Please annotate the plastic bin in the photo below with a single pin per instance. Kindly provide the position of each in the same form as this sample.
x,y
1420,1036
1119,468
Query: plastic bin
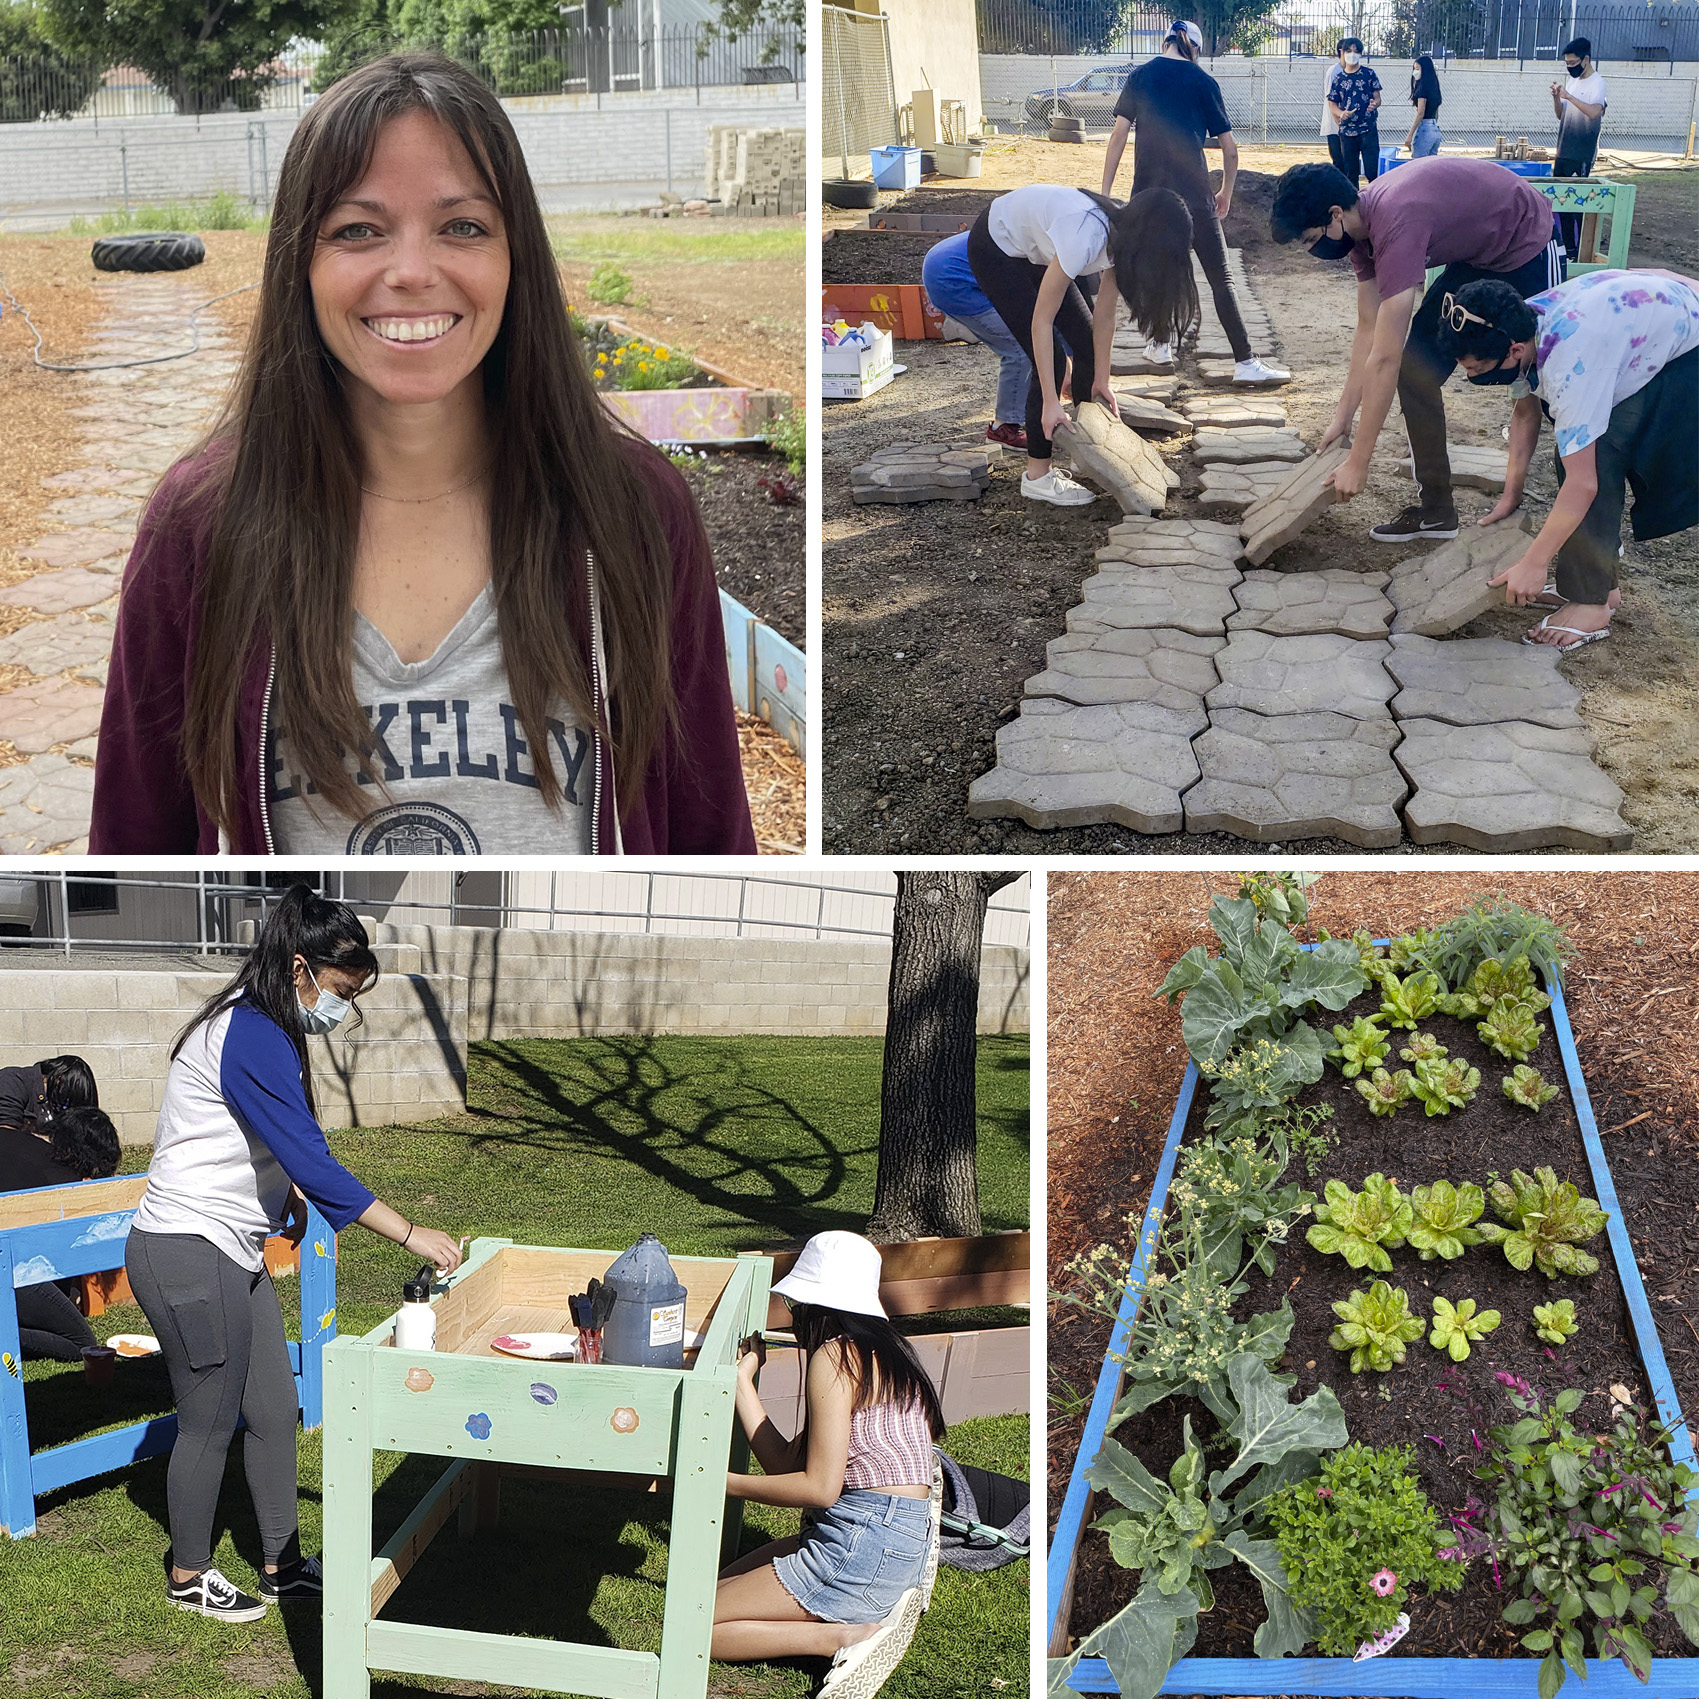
x,y
896,167
1526,167
954,161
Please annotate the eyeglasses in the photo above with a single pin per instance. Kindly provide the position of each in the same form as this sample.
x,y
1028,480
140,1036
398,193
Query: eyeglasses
x,y
1456,315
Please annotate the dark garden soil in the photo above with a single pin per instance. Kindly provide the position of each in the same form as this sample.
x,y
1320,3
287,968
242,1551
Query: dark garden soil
x,y
875,256
1115,1063
758,546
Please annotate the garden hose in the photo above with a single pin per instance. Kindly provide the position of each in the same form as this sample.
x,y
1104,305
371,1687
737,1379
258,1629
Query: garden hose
x,y
115,365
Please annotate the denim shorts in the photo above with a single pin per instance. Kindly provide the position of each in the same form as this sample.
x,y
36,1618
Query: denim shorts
x,y
858,1558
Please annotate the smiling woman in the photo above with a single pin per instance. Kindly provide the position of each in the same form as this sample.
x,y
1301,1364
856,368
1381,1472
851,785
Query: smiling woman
x,y
415,591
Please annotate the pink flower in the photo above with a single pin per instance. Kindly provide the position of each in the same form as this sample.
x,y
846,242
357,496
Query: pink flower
x,y
1324,1492
1383,1582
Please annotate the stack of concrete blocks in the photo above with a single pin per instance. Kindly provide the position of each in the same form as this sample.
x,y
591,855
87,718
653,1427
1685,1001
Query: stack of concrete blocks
x,y
756,173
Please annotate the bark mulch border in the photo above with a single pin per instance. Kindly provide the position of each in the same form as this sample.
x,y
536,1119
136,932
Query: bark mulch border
x,y
1378,1678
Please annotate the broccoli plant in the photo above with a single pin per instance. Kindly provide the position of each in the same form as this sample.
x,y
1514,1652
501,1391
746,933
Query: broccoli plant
x,y
1528,1087
1384,1092
1360,1046
1444,1083
1423,1047
1444,1219
1544,1223
1178,1532
1375,1326
1284,897
1362,1226
1404,1002
1455,1326
1554,1323
1511,1030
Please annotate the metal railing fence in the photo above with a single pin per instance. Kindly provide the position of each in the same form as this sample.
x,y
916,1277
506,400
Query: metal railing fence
x,y
207,911
535,63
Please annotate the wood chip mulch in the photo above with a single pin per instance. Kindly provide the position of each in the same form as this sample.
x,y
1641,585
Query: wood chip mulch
x,y
774,776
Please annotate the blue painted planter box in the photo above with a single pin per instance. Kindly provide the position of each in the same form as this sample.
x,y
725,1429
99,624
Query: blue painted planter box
x,y
1393,1677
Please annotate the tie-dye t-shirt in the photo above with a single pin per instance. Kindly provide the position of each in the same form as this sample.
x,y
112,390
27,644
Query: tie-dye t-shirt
x,y
1602,338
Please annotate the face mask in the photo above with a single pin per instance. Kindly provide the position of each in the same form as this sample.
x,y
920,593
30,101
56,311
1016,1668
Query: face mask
x,y
1350,60
1498,375
1333,247
1573,70
328,1013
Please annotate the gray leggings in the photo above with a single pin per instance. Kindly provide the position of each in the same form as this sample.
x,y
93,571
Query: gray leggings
x,y
221,1333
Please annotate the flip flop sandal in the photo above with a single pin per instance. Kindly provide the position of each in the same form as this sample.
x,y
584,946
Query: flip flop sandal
x,y
1582,638
1548,598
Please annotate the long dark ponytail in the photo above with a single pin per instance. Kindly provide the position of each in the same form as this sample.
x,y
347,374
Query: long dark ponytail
x,y
325,933
885,1367
1150,247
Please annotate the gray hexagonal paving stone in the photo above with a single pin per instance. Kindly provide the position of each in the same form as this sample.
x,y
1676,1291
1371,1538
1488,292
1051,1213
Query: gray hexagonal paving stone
x,y
1281,515
59,592
1300,675
81,547
1150,388
1290,604
924,471
1508,787
1145,413
1442,591
45,804
51,646
1274,777
1213,446
1217,370
1117,459
1231,412
1478,681
1060,765
1171,668
1474,467
1171,542
1193,598
1242,486
34,717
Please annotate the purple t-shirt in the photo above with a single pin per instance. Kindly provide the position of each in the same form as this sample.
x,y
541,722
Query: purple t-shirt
x,y
1448,212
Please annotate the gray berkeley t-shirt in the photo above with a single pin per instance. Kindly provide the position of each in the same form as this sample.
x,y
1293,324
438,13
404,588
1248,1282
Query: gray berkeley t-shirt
x,y
453,753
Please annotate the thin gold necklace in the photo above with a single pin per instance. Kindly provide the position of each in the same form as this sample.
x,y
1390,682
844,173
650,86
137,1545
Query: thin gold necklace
x,y
415,501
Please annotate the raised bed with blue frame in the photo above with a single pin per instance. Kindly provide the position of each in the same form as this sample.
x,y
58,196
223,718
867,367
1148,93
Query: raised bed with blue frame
x,y
57,1232
1399,1674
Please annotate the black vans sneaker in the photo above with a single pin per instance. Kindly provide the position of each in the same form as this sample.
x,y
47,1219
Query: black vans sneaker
x,y
209,1594
302,1579
1411,525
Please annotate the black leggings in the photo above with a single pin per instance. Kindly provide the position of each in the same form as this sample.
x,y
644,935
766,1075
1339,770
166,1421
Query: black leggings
x,y
50,1324
1011,285
1211,249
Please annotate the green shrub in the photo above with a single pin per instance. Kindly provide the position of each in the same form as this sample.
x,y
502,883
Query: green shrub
x,y
609,285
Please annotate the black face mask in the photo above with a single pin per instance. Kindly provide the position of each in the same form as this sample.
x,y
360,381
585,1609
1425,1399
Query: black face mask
x,y
1573,70
1499,374
1332,247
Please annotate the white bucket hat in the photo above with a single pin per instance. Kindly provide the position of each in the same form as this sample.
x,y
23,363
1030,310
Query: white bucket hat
x,y
839,1271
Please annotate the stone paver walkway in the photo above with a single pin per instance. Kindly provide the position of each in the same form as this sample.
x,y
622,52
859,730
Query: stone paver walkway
x,y
921,471
135,422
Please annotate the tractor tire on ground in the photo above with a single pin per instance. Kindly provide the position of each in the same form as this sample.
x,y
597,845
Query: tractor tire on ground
x,y
152,250
848,193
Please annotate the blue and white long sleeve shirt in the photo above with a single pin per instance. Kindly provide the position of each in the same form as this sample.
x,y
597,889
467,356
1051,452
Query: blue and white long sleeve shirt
x,y
234,1130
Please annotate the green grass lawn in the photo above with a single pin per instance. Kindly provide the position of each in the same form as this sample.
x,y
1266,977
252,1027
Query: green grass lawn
x,y
718,1145
587,240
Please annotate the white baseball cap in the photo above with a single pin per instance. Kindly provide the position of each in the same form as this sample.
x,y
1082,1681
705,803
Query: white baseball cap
x,y
1184,26
837,1270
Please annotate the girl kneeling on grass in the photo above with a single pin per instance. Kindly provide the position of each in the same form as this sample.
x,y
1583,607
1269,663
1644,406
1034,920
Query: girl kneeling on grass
x,y
860,1468
416,592
237,1152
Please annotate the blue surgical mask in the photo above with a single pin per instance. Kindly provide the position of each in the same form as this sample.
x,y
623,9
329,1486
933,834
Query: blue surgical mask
x,y
328,1013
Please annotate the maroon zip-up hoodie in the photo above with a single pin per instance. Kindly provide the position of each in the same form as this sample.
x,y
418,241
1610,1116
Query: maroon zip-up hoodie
x,y
691,800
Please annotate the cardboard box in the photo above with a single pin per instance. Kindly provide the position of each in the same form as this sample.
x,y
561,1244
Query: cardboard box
x,y
853,373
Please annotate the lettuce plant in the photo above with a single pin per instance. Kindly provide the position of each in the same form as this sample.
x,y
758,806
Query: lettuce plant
x,y
1411,950
1404,1002
1370,955
1179,1531
1363,1516
1460,1005
1444,1219
1423,1047
1544,1222
1455,1325
1384,1092
1444,1083
1362,1226
1361,1045
1511,1030
1375,1326
1493,980
1528,1087
1554,1323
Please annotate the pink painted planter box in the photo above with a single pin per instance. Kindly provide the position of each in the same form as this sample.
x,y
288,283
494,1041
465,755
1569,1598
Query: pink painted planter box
x,y
688,415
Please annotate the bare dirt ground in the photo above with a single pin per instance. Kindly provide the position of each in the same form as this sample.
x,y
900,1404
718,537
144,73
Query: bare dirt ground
x,y
935,615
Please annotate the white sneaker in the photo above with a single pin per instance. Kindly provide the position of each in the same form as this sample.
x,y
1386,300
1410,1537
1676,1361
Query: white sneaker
x,y
1057,488
1159,353
1259,371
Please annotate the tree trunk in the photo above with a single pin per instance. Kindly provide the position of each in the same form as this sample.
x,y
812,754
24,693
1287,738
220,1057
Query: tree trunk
x,y
928,1157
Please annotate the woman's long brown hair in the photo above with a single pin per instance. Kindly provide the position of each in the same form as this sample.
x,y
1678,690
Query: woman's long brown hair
x,y
286,486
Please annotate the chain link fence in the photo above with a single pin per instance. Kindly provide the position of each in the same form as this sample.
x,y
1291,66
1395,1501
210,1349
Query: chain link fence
x,y
858,99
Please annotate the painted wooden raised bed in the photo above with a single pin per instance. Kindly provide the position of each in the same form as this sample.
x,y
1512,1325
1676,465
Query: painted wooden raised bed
x,y
1386,1677
904,309
769,673
465,1401
59,1232
731,411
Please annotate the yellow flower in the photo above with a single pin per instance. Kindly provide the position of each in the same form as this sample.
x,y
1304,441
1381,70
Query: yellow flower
x,y
662,354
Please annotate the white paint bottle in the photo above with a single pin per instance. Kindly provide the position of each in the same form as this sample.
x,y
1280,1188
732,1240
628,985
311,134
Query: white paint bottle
x,y
416,1321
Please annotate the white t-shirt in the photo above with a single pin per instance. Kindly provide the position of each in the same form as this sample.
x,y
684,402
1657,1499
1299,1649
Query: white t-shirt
x,y
1577,134
1329,124
1045,222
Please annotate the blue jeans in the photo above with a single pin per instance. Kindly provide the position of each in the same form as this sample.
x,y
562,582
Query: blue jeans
x,y
1015,371
1426,140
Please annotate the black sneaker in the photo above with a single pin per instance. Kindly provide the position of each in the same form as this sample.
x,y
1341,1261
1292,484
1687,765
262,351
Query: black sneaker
x,y
1412,525
209,1594
302,1579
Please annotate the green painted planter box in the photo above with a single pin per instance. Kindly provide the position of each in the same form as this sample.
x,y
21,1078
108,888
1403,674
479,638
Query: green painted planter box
x,y
466,1401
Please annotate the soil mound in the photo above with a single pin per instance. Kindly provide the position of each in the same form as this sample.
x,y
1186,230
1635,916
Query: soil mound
x,y
1247,223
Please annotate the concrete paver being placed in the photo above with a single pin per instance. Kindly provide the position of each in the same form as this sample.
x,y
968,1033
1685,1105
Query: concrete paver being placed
x,y
1302,499
1242,486
1242,447
1117,459
1272,778
1233,412
1440,592
1474,467
1170,668
1478,681
1193,598
921,471
1145,413
1060,765
1290,604
1510,787
1295,675
1141,541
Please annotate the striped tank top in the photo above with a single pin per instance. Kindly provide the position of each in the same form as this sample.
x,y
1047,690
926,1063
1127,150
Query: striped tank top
x,y
890,1446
